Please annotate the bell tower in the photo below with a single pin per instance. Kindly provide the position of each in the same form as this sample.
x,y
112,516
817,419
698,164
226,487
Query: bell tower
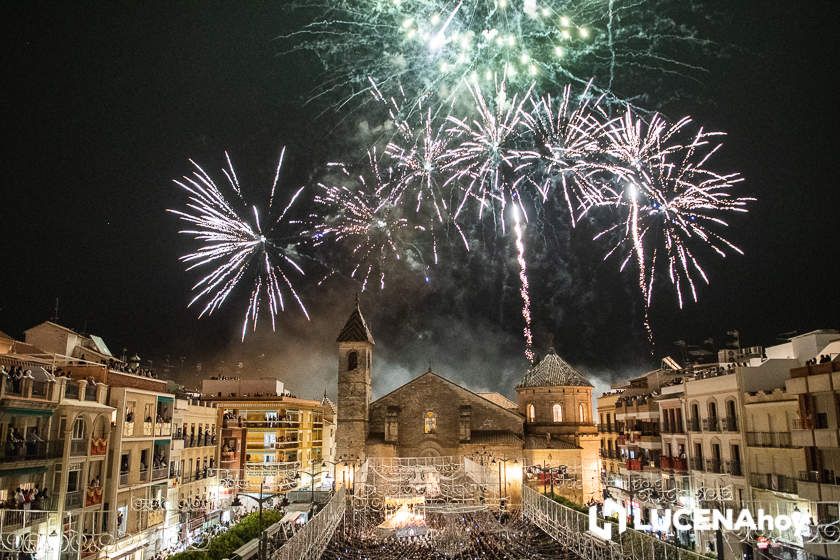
x,y
355,359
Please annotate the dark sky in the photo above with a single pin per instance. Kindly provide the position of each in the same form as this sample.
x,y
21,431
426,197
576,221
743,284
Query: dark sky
x,y
104,102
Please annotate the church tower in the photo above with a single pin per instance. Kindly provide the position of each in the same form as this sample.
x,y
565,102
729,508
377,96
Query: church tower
x,y
355,358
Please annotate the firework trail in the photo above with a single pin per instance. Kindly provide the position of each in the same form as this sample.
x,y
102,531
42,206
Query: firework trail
x,y
523,286
484,159
367,217
237,247
673,201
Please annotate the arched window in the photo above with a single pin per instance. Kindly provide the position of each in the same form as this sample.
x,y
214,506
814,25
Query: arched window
x,y
532,413
352,360
581,413
557,412
429,422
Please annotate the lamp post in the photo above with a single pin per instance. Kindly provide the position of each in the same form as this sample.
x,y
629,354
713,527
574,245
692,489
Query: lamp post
x,y
502,461
311,474
263,498
335,466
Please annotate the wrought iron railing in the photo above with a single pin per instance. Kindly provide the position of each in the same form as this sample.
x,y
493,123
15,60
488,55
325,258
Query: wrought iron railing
x,y
570,528
309,543
768,439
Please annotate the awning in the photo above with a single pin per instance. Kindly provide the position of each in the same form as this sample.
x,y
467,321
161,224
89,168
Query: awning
x,y
162,441
28,411
22,470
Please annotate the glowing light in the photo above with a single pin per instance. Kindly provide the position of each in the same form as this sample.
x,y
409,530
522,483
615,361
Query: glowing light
x,y
523,285
236,247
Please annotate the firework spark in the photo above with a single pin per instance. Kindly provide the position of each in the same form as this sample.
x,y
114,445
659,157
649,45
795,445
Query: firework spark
x,y
430,45
237,247
673,201
565,148
485,158
366,216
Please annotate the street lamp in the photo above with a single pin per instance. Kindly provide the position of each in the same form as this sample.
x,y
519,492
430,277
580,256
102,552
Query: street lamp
x,y
263,498
335,466
502,461
311,474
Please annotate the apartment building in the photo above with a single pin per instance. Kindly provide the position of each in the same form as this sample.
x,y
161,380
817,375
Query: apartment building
x,y
816,386
268,436
56,426
608,431
193,496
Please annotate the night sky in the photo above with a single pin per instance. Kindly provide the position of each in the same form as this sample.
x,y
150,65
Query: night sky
x,y
103,104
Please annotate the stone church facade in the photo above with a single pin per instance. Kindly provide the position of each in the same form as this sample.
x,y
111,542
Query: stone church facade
x,y
551,424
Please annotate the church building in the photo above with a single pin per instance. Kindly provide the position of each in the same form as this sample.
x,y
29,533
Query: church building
x,y
550,424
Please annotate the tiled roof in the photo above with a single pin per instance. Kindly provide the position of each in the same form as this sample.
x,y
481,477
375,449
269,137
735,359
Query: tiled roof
x,y
553,371
355,329
499,399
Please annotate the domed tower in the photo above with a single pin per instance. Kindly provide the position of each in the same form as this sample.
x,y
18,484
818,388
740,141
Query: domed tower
x,y
355,360
556,401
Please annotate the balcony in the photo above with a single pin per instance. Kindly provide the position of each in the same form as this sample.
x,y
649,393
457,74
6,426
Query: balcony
x,y
733,468
30,451
128,428
711,424
161,473
78,447
769,439
714,466
163,428
98,446
694,425
729,424
775,482
819,486
90,392
144,475
71,390
148,428
73,500
633,464
672,463
228,456
123,479
93,496
697,464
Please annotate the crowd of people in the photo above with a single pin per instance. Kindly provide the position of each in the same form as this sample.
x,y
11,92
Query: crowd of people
x,y
823,359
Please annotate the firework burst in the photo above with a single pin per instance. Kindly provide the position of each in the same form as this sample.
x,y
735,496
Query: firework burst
x,y
367,217
565,149
485,158
673,203
237,246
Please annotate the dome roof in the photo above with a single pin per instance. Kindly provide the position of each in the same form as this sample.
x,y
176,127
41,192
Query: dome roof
x,y
553,371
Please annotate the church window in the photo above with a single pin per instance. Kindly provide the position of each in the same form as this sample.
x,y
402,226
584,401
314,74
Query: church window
x,y
557,412
465,423
532,413
352,360
581,413
429,422
392,424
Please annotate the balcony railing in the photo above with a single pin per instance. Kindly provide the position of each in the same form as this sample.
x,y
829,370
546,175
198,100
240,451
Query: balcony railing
x,y
73,500
78,447
694,425
160,473
71,390
769,439
823,477
713,466
144,476
729,424
30,450
98,446
123,479
697,463
634,464
40,389
711,424
776,482
90,393
733,468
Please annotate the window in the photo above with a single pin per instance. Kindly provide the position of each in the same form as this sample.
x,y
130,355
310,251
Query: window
x,y
532,413
581,413
465,423
391,424
429,423
557,412
352,360
78,429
